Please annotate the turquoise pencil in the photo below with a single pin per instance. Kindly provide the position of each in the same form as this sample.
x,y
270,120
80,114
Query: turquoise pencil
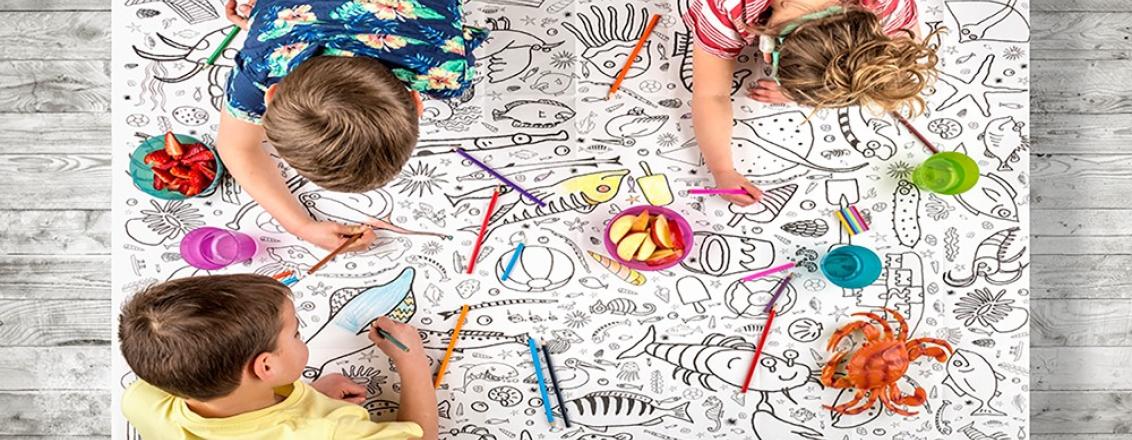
x,y
541,381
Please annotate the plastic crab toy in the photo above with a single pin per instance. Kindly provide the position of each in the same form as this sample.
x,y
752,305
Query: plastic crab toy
x,y
879,363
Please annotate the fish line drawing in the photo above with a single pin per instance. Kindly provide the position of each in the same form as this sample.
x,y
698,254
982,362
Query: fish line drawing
x,y
627,128
573,374
622,306
969,374
196,55
1003,141
609,38
488,372
509,52
989,21
469,339
998,260
518,168
991,196
865,134
767,209
526,113
431,147
192,11
348,208
601,410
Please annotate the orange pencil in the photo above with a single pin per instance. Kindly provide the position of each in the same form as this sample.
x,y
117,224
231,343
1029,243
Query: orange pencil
x,y
633,56
451,347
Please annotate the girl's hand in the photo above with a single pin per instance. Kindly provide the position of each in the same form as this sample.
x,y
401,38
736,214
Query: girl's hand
x,y
732,179
329,235
766,91
239,14
414,358
339,387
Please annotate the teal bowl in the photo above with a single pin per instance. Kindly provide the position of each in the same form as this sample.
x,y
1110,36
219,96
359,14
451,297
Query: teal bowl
x,y
142,174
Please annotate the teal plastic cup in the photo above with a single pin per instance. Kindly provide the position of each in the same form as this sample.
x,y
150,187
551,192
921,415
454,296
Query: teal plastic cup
x,y
851,266
947,173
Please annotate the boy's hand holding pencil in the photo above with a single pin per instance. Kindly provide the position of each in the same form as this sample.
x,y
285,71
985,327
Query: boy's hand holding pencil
x,y
401,342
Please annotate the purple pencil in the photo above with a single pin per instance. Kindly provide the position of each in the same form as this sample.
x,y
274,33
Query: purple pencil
x,y
500,177
778,291
713,191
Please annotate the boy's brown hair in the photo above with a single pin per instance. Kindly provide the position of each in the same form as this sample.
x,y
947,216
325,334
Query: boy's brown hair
x,y
193,337
346,123
847,59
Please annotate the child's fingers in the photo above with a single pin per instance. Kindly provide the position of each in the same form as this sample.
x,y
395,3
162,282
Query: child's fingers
x,y
739,200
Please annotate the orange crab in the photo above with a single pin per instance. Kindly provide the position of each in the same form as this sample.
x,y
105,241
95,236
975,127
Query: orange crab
x,y
875,368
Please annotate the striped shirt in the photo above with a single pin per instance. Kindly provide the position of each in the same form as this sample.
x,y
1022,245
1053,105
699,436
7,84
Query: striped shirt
x,y
724,27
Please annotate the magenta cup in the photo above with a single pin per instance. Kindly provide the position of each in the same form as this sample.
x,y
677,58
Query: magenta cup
x,y
212,248
685,242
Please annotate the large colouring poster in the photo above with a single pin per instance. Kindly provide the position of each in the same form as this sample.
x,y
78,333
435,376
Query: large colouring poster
x,y
661,358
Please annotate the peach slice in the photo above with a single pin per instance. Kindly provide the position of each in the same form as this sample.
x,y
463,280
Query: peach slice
x,y
642,222
647,248
620,228
628,247
664,256
661,232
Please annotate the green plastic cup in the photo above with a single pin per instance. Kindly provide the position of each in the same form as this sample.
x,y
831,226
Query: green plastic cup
x,y
947,173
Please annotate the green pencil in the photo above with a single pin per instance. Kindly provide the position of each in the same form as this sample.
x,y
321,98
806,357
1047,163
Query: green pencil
x,y
235,30
393,340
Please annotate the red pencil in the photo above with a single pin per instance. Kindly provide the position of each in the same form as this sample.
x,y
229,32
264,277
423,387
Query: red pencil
x,y
483,229
916,132
633,56
758,350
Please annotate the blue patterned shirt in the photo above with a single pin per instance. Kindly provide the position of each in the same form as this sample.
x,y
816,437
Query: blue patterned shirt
x,y
423,42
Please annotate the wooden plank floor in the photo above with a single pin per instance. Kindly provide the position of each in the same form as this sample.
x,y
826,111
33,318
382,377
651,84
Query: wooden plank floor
x,y
55,198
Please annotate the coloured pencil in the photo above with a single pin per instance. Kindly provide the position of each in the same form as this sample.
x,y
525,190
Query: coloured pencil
x,y
500,177
633,56
712,191
290,281
860,219
483,230
282,275
451,347
541,381
772,270
232,32
349,241
844,222
514,259
778,291
554,381
393,340
854,228
915,132
758,350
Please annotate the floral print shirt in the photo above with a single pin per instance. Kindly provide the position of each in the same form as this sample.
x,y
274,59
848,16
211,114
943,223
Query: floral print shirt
x,y
423,42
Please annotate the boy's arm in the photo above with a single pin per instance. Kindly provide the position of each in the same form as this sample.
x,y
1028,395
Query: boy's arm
x,y
240,146
418,398
712,121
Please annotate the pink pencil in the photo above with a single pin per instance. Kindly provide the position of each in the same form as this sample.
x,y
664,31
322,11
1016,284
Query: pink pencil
x,y
772,270
712,191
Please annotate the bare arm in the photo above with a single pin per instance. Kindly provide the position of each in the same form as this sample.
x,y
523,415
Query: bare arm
x,y
240,146
712,121
418,398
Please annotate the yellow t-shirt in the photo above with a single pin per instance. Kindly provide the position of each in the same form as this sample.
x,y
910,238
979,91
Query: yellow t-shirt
x,y
304,414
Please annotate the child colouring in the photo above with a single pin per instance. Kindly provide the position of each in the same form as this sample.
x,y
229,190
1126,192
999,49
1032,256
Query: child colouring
x,y
822,54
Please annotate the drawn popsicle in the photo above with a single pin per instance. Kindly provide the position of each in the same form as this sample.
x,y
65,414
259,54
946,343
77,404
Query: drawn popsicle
x,y
655,187
692,292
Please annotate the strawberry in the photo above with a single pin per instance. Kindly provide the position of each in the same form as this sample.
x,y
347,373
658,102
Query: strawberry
x,y
180,171
191,189
194,149
162,175
204,169
172,146
199,156
158,184
157,157
197,178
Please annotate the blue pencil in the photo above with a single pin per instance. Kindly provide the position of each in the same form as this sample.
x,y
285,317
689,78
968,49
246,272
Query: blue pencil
x,y
541,381
500,177
514,259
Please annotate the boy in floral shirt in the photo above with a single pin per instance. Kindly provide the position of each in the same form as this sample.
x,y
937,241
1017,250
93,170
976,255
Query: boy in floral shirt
x,y
334,86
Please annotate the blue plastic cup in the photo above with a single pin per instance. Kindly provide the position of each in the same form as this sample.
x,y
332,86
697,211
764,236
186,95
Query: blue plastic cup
x,y
851,267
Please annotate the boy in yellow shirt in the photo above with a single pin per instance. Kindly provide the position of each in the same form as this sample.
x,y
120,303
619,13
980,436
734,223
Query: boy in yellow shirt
x,y
219,357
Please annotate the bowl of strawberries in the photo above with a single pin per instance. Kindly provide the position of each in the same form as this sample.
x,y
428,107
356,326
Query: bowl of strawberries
x,y
175,167
648,238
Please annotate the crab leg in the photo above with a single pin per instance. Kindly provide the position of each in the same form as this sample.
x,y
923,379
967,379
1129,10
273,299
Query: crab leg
x,y
901,321
893,393
870,332
860,409
883,324
916,349
830,368
845,406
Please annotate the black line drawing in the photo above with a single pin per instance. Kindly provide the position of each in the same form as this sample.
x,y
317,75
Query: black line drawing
x,y
601,410
622,306
190,116
999,259
488,372
692,291
1003,140
469,339
518,168
746,298
575,374
538,269
969,374
294,184
807,228
509,51
192,11
768,146
991,310
906,213
765,210
348,208
626,128
682,48
945,128
542,113
978,88
721,255
992,196
431,147
864,134
805,330
986,20
196,56
419,178
609,38
166,221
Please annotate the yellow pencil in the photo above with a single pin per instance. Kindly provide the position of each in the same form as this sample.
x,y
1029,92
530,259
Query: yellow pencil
x,y
451,347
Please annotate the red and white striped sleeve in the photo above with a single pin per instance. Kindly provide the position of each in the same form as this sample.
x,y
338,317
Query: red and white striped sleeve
x,y
715,24
895,14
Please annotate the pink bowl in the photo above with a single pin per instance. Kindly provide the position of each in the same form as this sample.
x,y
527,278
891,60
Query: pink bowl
x,y
685,233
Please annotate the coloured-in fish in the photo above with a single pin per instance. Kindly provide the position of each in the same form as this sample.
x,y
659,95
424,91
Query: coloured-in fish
x,y
542,113
998,258
992,196
1003,140
724,359
605,409
622,306
864,135
469,339
969,374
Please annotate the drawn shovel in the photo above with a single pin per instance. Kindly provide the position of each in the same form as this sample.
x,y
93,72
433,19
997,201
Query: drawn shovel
x,y
692,292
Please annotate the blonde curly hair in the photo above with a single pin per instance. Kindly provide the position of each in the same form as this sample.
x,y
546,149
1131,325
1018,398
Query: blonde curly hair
x,y
847,59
